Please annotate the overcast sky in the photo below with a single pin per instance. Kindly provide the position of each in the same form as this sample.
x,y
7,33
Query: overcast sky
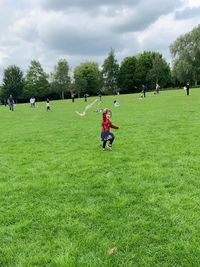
x,y
80,30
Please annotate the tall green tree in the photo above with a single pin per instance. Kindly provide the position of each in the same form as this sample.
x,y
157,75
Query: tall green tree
x,y
151,68
36,81
160,72
181,71
110,71
12,82
144,65
87,78
186,56
127,81
61,78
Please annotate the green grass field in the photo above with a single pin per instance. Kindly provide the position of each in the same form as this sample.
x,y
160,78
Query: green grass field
x,y
65,202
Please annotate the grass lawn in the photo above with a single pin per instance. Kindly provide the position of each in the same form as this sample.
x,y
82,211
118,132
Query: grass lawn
x,y
65,202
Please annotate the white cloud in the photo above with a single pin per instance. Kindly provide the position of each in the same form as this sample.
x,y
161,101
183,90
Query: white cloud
x,y
193,3
3,57
86,30
162,33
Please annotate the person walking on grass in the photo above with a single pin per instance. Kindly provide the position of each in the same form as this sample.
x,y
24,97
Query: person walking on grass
x,y
11,103
106,135
188,88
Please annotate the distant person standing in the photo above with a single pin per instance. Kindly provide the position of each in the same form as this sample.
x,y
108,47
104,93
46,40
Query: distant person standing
x,y
144,90
4,102
72,96
32,102
157,88
47,105
85,97
188,88
11,103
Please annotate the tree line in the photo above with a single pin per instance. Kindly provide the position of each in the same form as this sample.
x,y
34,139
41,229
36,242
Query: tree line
x,y
147,68
128,77
186,57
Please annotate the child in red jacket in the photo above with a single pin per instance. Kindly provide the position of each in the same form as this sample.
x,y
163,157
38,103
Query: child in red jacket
x,y
106,135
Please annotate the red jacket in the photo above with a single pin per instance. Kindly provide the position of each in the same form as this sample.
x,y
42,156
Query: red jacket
x,y
107,124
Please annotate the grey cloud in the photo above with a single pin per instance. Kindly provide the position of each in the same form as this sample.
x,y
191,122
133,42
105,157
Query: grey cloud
x,y
82,33
74,42
188,13
66,4
144,14
140,13
83,29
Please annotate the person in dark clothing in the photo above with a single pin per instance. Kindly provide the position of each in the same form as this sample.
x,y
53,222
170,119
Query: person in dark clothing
x,y
144,90
11,103
47,105
85,97
4,102
188,88
72,96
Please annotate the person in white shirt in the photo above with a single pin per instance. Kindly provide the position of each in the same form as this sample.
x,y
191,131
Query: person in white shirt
x,y
32,102
116,104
